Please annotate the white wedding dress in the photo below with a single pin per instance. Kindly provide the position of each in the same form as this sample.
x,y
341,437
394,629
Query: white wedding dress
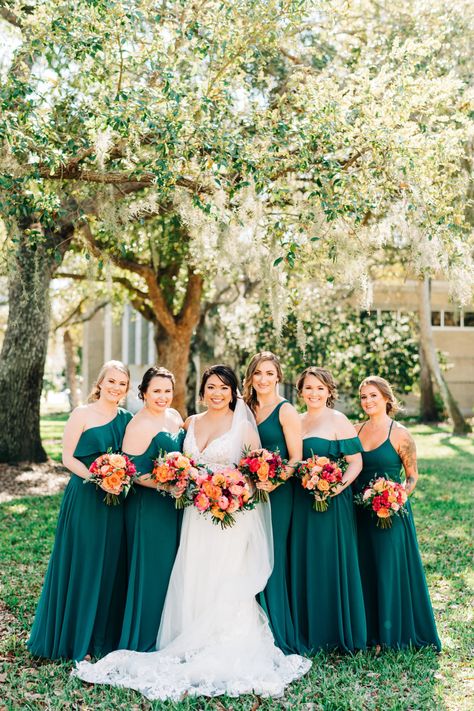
x,y
214,638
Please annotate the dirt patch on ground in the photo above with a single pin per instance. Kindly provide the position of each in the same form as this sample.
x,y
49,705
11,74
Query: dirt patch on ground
x,y
26,479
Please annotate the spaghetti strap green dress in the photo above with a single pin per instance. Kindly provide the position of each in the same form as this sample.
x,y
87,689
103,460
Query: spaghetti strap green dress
x,y
152,526
81,606
275,599
326,591
397,602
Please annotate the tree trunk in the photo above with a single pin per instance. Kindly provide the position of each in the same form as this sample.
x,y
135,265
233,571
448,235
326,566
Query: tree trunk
x,y
460,426
428,409
71,376
23,353
173,353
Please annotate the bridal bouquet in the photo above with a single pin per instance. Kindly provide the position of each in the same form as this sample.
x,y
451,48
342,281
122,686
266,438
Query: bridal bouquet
x,y
221,494
321,478
385,498
114,473
171,472
262,467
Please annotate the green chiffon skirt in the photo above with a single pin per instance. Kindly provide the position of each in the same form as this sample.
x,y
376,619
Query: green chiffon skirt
x,y
327,600
152,526
80,610
397,602
275,599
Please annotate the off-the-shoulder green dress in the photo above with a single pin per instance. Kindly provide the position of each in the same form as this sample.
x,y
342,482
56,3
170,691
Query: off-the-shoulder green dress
x,y
326,592
80,610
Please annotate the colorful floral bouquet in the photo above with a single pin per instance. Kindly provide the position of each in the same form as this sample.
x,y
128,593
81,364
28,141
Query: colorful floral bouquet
x,y
114,473
221,494
321,478
171,472
385,498
262,467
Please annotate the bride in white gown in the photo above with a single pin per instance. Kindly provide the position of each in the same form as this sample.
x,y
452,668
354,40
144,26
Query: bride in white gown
x,y
213,638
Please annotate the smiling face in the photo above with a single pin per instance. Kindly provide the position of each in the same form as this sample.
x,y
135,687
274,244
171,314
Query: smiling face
x,y
372,400
113,386
265,377
159,394
314,392
217,394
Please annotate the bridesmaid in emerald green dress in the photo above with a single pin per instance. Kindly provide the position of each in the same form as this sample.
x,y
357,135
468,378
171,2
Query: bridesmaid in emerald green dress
x,y
151,520
397,601
327,601
81,606
279,429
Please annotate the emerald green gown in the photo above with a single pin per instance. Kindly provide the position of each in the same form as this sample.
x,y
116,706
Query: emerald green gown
x,y
80,609
326,591
397,602
275,599
152,532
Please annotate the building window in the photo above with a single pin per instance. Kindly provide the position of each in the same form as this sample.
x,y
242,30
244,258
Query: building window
x,y
469,319
452,319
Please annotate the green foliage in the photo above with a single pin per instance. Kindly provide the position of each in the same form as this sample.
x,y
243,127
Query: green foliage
x,y
394,681
352,344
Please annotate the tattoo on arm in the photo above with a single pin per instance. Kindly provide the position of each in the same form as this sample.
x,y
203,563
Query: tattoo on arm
x,y
407,453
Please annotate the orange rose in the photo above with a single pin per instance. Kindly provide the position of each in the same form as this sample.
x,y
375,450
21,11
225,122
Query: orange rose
x,y
323,485
112,484
161,474
216,511
219,479
383,513
211,490
117,461
263,471
379,485
321,461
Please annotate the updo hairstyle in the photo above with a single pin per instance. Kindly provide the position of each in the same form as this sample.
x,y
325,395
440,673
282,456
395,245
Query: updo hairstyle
x,y
153,372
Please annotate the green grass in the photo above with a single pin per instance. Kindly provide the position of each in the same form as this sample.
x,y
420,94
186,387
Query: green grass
x,y
393,681
51,428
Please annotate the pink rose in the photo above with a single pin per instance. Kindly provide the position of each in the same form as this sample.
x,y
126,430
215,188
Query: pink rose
x,y
202,502
223,503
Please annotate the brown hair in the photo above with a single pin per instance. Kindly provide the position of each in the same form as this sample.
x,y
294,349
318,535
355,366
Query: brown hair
x,y
249,394
384,387
324,376
153,372
118,365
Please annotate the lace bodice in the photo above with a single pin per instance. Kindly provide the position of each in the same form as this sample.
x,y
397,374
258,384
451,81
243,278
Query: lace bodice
x,y
215,455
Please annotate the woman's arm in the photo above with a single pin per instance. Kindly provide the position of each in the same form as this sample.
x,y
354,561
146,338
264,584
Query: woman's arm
x,y
291,425
406,448
346,430
74,428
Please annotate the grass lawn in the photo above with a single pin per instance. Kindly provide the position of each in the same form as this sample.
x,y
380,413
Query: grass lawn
x,y
409,681
52,432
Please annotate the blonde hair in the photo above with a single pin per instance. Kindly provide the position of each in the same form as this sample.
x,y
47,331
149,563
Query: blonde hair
x,y
249,395
384,387
118,365
324,376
